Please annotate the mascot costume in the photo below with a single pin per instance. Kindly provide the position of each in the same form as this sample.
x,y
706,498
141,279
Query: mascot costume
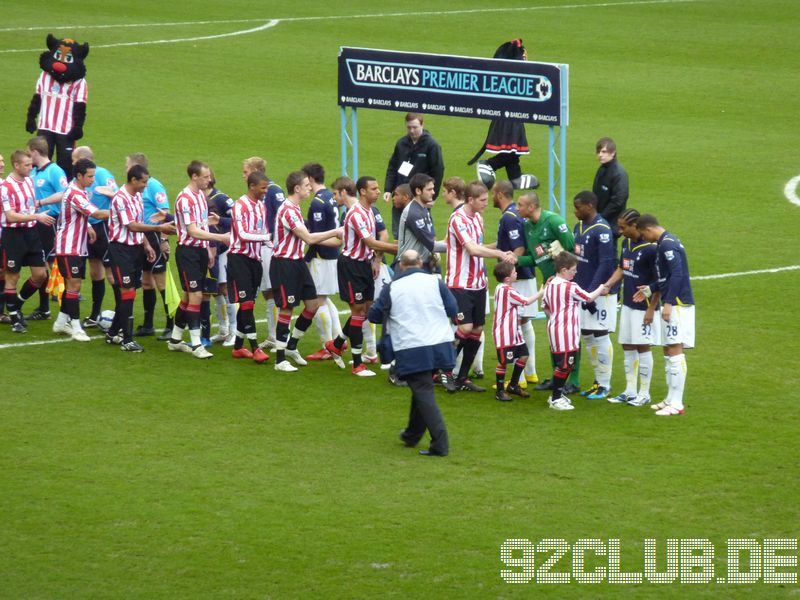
x,y
60,98
506,138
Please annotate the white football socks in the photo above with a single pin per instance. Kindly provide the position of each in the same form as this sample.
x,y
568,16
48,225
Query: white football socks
x,y
645,372
631,367
676,380
530,341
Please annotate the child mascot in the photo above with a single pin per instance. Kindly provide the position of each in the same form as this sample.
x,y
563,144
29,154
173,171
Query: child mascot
x,y
506,138
60,98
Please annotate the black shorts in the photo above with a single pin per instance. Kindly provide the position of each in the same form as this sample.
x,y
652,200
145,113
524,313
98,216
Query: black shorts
x,y
127,263
356,284
192,267
47,235
509,354
244,277
99,250
159,264
71,266
291,282
471,306
22,247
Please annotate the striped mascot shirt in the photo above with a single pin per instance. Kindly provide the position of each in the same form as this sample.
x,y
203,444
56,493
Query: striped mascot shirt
x,y
58,100
505,327
562,301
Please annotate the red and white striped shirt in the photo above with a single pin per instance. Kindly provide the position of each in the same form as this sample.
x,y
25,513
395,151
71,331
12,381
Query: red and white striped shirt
x,y
249,217
464,271
73,222
562,300
191,207
359,224
287,244
505,327
20,197
57,102
125,209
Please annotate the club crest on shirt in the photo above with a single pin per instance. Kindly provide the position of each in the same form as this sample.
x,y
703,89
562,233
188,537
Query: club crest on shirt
x,y
563,228
420,223
669,254
513,234
318,216
605,238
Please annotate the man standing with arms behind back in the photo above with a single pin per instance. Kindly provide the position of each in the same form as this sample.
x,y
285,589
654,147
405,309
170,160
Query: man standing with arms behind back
x,y
414,153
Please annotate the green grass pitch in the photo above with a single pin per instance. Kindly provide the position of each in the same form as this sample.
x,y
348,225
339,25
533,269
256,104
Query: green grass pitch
x,y
159,476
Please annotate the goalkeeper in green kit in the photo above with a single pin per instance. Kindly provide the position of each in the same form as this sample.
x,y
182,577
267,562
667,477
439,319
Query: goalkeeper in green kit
x,y
546,234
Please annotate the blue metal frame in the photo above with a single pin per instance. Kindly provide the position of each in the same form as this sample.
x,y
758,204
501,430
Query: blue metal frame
x,y
349,139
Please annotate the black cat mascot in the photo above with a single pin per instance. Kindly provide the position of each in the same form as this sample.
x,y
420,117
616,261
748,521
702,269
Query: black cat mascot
x,y
60,98
506,138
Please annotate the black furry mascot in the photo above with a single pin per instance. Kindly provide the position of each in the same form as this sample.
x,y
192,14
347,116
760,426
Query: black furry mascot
x,y
506,138
60,98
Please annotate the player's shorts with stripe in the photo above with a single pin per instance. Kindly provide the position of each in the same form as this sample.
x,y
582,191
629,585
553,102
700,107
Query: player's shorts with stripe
x,y
680,329
127,264
356,284
323,271
266,260
291,282
604,318
192,267
471,306
71,266
633,331
222,263
22,247
47,235
507,355
159,264
99,249
526,287
244,277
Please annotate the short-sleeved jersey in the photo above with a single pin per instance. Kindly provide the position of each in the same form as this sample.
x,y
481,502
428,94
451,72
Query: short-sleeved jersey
x,y
287,244
562,301
511,235
464,271
272,202
154,198
594,247
322,216
102,177
191,207
673,271
248,218
379,224
17,196
220,204
47,181
416,231
637,260
126,208
359,225
71,236
505,327
58,100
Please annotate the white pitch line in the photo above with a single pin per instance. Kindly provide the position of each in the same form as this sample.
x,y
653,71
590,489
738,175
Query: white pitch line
x,y
62,340
790,190
273,22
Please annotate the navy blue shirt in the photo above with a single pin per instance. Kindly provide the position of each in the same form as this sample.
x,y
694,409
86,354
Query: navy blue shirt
x,y
272,202
673,271
220,204
322,216
379,224
511,235
594,247
638,263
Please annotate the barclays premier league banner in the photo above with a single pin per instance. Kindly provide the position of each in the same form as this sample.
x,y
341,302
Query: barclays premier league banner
x,y
459,86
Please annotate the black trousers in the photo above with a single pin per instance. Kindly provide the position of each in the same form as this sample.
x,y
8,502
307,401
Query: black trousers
x,y
425,414
62,145
508,160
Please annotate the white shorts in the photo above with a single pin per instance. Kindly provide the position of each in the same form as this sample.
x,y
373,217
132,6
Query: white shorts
x,y
680,329
266,258
488,302
384,278
526,287
605,318
222,262
323,272
634,332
